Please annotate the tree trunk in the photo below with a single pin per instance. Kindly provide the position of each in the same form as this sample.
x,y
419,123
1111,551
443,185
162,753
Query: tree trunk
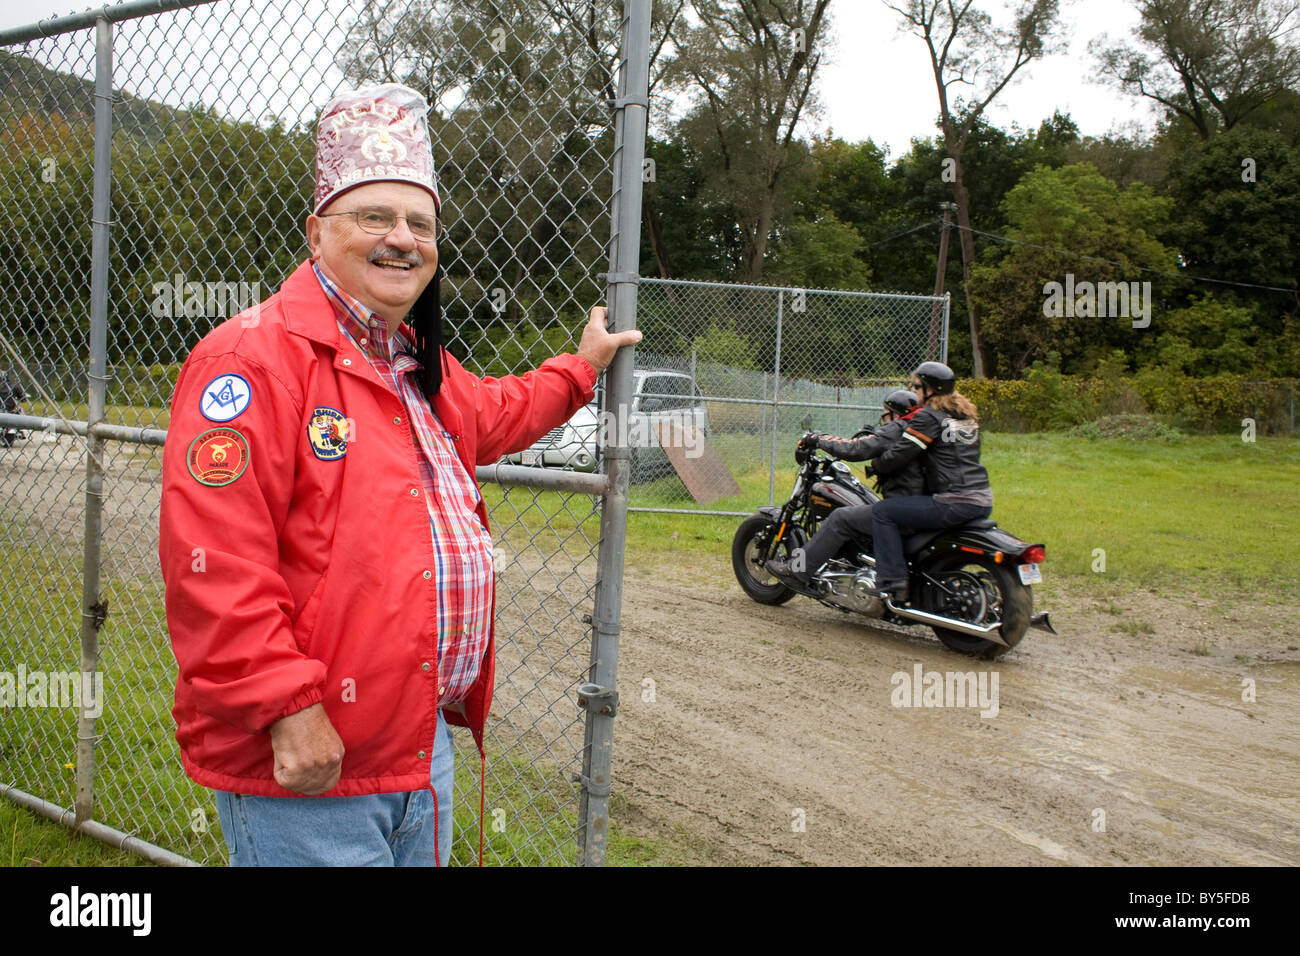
x,y
657,243
757,251
967,239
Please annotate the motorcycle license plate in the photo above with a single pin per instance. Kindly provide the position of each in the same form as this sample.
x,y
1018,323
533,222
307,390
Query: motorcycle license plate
x,y
1029,574
530,457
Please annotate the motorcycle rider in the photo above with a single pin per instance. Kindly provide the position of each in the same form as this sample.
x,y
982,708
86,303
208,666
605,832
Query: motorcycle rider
x,y
847,524
944,436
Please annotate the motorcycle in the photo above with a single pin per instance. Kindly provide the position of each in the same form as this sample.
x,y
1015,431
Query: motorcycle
x,y
971,583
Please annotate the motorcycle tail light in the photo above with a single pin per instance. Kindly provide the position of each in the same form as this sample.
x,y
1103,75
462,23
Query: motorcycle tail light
x,y
1034,554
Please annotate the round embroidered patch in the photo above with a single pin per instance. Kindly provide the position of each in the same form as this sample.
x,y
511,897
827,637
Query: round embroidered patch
x,y
217,456
225,397
329,433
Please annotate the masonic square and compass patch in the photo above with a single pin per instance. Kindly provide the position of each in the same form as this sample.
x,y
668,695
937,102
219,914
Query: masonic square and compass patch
x,y
225,397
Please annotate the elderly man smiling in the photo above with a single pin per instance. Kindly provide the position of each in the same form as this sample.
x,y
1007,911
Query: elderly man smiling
x,y
328,568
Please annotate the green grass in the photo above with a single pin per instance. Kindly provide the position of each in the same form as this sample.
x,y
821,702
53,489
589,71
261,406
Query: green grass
x,y
27,839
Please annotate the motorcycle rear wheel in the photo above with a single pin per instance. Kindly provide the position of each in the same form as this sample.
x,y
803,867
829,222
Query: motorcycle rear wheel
x,y
746,548
983,592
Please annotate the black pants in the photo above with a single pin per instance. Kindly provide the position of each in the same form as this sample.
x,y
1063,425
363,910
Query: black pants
x,y
840,527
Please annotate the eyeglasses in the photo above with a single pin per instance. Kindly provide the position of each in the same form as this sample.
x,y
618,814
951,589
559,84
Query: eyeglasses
x,y
380,221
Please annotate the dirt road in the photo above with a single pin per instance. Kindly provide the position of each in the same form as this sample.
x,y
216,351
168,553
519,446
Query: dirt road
x,y
1107,747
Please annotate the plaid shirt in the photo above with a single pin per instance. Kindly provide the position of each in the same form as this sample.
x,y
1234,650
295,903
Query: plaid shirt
x,y
462,547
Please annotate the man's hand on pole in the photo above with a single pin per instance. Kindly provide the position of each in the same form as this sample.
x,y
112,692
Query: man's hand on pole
x,y
598,344
308,751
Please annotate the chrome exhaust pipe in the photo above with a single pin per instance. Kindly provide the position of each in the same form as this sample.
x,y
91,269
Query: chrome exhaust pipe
x,y
993,632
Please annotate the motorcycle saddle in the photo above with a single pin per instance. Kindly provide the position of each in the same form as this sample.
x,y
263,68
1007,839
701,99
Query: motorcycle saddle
x,y
916,541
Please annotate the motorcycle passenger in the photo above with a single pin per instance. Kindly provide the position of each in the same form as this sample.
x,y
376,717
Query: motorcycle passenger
x,y
945,436
848,524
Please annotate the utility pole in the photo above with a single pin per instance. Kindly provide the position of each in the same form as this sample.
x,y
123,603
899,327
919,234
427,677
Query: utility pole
x,y
936,312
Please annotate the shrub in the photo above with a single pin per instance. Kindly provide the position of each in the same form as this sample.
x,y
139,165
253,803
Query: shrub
x,y
1130,426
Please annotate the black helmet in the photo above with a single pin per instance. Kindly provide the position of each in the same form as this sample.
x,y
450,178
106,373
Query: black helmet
x,y
936,376
901,402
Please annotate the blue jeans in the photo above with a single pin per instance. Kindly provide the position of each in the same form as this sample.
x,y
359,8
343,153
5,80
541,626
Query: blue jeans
x,y
920,513
378,829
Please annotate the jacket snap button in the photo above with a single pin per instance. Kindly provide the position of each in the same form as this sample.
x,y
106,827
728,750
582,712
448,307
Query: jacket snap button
x,y
424,666
397,420
414,493
427,575
347,361
421,754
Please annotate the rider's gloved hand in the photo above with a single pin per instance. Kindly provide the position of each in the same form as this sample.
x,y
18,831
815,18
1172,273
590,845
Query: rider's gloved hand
x,y
810,440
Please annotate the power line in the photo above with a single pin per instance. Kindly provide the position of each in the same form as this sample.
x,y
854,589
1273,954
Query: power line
x,y
899,235
1122,265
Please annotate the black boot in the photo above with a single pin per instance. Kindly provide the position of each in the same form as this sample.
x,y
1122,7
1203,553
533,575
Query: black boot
x,y
896,591
782,569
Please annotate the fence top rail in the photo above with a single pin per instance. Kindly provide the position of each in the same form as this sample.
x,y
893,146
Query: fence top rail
x,y
793,288
113,13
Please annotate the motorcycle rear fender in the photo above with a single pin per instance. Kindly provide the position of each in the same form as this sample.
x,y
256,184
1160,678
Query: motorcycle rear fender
x,y
989,542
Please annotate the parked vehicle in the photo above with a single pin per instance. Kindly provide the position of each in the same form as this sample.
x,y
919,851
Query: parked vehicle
x,y
971,584
11,393
660,397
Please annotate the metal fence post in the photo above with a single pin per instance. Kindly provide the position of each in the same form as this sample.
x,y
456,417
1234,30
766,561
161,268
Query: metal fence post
x,y
92,605
776,395
600,696
947,313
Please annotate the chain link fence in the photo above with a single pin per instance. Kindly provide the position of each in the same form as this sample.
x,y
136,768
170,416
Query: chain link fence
x,y
157,171
754,367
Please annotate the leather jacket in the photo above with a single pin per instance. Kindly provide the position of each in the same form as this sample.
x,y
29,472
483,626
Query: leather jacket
x,y
948,448
868,444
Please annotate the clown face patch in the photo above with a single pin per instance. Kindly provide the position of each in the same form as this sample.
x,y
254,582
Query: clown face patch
x,y
217,456
329,433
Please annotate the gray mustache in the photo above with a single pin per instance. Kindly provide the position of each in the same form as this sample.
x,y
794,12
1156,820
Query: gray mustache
x,y
414,258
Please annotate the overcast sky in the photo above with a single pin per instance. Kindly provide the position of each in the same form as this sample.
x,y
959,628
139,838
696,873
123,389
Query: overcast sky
x,y
878,84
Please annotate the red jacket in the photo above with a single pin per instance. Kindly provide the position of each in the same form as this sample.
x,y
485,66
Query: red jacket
x,y
295,554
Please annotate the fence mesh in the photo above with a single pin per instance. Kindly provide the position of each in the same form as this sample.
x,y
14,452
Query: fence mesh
x,y
214,109
757,366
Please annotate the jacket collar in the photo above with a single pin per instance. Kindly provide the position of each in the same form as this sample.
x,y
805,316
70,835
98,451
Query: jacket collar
x,y
307,310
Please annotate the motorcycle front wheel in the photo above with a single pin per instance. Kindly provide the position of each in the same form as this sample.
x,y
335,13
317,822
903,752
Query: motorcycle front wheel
x,y
746,552
976,589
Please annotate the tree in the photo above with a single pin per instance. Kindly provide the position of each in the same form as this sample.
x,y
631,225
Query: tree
x,y
1212,62
1071,226
820,253
966,47
749,69
1238,199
